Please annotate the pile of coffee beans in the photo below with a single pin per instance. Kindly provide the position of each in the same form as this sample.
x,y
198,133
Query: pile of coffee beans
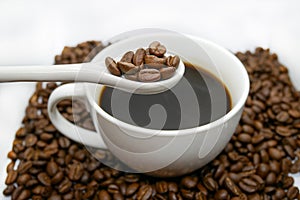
x,y
83,52
145,65
256,164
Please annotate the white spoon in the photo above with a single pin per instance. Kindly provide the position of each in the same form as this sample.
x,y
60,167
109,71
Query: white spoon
x,y
93,72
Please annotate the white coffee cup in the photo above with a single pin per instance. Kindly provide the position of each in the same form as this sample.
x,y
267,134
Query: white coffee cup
x,y
160,152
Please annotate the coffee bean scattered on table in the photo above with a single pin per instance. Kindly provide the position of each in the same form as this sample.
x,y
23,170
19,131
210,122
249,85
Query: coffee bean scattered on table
x,y
255,164
148,65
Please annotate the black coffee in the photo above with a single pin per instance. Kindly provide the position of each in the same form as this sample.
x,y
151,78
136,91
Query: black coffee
x,y
199,98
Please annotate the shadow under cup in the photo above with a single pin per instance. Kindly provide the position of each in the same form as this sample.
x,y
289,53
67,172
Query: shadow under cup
x,y
169,153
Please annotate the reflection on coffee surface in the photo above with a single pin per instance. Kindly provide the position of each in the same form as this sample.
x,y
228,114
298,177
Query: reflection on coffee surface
x,y
198,99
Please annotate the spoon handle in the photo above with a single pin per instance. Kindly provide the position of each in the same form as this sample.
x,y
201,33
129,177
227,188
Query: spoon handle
x,y
87,72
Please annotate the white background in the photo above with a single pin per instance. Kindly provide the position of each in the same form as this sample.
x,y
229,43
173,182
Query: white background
x,y
32,32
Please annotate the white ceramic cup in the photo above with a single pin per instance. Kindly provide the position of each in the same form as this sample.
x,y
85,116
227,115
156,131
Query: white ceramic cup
x,y
160,152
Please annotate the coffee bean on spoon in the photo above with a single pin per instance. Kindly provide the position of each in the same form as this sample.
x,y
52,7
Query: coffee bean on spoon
x,y
149,75
173,61
138,57
112,66
127,68
153,59
167,72
155,48
127,57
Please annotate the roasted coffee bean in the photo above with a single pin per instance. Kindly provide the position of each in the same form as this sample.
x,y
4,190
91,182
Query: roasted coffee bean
x,y
248,185
24,167
210,183
16,193
44,179
46,136
80,155
24,194
287,182
275,153
173,61
112,66
75,171
10,166
103,195
89,193
234,177
279,194
138,57
263,170
172,187
149,59
244,137
52,168
31,183
21,132
23,179
9,190
64,142
98,175
11,177
132,188
155,48
222,195
64,186
292,193
128,56
260,182
271,178
12,155
162,187
274,166
167,72
172,196
29,153
113,189
289,151
232,187
283,131
144,192
189,182
128,68
30,140
220,171
149,75
57,178
236,167
187,194
50,129
269,189
283,116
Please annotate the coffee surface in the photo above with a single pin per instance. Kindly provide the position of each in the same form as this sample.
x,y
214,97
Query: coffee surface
x,y
199,98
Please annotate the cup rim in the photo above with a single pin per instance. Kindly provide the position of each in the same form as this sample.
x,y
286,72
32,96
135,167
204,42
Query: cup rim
x,y
233,111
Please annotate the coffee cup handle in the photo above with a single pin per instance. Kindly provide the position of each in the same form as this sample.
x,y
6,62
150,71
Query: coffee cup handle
x,y
76,133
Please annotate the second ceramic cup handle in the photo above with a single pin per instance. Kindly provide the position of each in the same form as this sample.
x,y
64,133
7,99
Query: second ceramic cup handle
x,y
76,133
